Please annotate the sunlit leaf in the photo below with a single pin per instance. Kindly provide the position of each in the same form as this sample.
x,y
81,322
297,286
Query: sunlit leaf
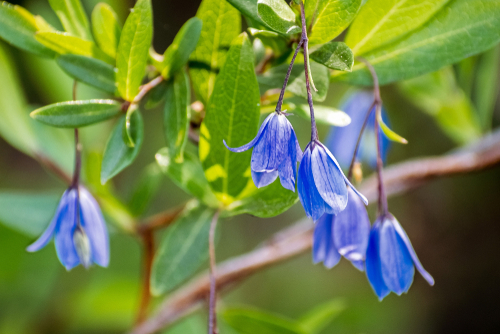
x,y
221,24
380,22
270,39
278,15
72,17
73,114
249,9
183,249
106,28
133,49
323,115
334,55
391,135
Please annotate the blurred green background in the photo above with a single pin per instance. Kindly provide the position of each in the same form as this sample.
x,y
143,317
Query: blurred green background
x,y
453,222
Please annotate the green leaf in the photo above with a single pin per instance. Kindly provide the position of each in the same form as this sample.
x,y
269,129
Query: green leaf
x,y
486,87
106,28
321,79
27,213
251,321
391,135
177,54
18,27
175,115
72,17
91,71
63,43
270,39
187,175
380,22
278,15
461,29
268,201
334,55
183,249
132,55
249,9
221,24
74,114
156,95
128,137
232,114
319,317
438,95
145,189
117,154
324,115
328,18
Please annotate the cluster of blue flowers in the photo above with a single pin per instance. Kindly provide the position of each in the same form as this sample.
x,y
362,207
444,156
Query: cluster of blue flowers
x,y
337,208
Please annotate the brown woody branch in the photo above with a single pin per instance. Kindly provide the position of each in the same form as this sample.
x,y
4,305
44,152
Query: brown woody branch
x,y
298,238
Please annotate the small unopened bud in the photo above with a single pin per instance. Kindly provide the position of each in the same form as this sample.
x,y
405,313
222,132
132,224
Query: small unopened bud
x,y
357,172
82,246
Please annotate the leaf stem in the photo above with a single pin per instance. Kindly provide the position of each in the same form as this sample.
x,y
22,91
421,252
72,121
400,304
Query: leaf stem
x,y
212,317
78,148
305,44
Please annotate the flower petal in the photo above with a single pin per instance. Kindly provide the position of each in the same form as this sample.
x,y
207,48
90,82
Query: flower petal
x,y
323,248
268,151
396,262
95,227
352,229
252,143
373,265
49,231
65,228
328,178
360,265
288,166
404,239
262,179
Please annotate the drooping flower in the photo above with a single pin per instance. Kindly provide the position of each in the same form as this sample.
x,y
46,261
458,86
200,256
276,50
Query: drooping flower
x,y
321,183
276,152
345,234
391,259
79,231
342,140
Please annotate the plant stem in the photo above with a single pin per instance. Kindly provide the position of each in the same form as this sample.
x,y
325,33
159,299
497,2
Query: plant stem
x,y
382,197
149,251
305,45
287,77
212,317
78,148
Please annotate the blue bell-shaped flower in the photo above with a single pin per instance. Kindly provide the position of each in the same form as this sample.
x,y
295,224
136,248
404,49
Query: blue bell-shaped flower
x,y
79,231
321,183
345,234
390,258
276,152
341,141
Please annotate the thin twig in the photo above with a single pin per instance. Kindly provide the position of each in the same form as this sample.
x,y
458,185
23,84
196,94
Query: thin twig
x,y
212,317
287,77
358,142
149,251
298,238
160,220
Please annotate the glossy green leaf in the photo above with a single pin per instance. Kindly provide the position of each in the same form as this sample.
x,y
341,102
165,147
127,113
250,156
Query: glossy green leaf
x,y
270,39
118,155
268,201
486,88
63,43
145,189
188,175
323,115
315,320
132,55
321,76
177,54
461,29
232,114
18,27
251,321
438,95
156,95
221,24
106,28
175,115
249,9
380,22
334,55
27,213
183,250
91,71
278,15
74,114
328,18
72,17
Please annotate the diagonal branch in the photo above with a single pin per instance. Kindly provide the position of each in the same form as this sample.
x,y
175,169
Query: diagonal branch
x,y
298,238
